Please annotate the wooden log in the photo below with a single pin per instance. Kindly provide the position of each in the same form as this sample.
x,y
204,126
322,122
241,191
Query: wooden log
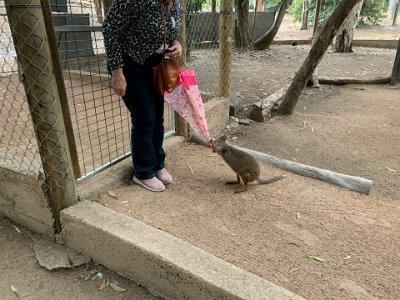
x,y
352,183
261,110
350,80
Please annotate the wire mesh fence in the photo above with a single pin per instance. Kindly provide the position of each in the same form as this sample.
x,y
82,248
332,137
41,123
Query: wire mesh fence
x,y
100,121
18,146
202,42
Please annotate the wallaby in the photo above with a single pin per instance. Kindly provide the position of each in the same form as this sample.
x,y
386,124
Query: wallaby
x,y
243,164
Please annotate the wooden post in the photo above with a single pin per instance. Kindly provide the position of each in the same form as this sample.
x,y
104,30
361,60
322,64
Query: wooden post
x,y
40,83
51,36
182,127
225,48
396,67
182,36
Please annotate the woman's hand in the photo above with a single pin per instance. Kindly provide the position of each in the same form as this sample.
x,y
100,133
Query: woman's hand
x,y
118,82
175,51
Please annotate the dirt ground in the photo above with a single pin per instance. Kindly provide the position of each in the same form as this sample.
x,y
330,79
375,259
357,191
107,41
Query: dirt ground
x,y
19,269
275,231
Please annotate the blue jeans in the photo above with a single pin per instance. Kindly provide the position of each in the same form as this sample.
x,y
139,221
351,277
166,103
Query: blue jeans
x,y
146,107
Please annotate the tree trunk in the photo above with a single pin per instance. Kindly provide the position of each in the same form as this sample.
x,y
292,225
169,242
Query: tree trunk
x,y
343,41
242,12
265,41
396,11
304,16
254,19
313,81
317,13
99,13
106,6
315,55
259,6
213,6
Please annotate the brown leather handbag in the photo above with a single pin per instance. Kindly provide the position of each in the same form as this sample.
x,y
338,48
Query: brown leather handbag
x,y
166,74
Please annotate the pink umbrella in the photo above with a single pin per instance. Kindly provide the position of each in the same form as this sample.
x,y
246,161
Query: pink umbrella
x,y
186,100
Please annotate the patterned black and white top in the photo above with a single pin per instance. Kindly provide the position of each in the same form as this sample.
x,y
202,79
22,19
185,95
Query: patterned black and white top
x,y
136,27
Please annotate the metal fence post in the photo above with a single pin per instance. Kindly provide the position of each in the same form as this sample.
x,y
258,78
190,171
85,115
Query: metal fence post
x,y
225,48
40,83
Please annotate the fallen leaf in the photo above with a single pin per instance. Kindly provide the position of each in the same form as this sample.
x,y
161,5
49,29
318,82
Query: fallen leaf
x,y
317,258
295,270
112,194
14,290
391,170
17,229
190,168
102,285
117,288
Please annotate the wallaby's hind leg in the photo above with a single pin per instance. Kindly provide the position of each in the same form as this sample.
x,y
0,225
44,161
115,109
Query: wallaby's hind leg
x,y
245,180
234,182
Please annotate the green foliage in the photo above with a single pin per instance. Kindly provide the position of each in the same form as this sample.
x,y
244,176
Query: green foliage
x,y
207,5
193,6
372,11
272,5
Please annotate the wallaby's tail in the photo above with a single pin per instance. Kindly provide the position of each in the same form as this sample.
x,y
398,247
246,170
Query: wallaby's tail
x,y
273,179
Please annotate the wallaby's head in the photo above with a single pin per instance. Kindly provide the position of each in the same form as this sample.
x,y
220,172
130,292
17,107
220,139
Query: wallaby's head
x,y
218,144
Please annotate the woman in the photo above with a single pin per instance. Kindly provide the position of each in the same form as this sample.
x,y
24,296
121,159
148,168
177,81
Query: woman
x,y
134,39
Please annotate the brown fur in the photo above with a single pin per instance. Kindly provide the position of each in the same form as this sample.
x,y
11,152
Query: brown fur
x,y
243,164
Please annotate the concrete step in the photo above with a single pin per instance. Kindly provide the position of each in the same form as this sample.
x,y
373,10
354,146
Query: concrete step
x,y
169,267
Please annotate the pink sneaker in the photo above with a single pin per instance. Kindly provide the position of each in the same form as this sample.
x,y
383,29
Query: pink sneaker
x,y
152,184
164,176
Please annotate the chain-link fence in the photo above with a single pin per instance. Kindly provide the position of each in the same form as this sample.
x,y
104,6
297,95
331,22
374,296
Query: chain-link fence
x,y
202,48
18,147
100,121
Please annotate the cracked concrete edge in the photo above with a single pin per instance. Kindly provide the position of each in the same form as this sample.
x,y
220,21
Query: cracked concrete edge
x,y
118,174
168,266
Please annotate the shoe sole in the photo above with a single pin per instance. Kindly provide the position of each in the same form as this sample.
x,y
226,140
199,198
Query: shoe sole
x,y
137,181
165,182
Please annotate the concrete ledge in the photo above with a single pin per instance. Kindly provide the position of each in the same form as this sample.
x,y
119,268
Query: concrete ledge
x,y
22,199
217,114
119,174
167,266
